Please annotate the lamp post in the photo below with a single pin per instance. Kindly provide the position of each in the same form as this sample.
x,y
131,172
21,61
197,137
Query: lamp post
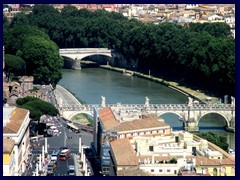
x,y
80,144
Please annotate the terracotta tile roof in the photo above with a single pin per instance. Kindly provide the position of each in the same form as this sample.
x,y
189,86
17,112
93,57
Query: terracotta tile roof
x,y
108,119
204,161
123,152
133,171
17,117
156,158
228,161
151,122
8,145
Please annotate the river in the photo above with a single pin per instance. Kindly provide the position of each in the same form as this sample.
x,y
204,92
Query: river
x,y
89,84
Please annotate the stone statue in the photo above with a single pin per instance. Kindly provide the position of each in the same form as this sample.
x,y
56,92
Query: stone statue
x,y
103,101
232,101
146,101
190,101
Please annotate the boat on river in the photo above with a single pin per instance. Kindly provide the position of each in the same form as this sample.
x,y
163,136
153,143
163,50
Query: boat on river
x,y
128,73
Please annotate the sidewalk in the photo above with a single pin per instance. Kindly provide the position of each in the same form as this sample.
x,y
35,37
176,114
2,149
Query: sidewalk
x,y
77,165
65,98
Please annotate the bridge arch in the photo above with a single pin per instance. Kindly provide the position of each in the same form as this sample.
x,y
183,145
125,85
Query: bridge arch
x,y
172,112
95,54
214,112
80,112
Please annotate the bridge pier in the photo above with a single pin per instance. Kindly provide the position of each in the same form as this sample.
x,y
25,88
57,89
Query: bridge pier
x,y
191,127
77,64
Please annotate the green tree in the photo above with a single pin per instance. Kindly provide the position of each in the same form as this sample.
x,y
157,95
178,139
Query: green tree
x,y
14,37
14,65
37,107
214,138
43,60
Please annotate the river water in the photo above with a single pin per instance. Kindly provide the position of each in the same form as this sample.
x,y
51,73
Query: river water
x,y
89,84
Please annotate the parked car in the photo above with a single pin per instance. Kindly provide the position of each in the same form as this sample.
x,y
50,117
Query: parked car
x,y
71,170
51,168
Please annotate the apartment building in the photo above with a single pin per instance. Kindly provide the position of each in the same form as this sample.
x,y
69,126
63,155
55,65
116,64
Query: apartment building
x,y
16,129
8,157
178,154
109,126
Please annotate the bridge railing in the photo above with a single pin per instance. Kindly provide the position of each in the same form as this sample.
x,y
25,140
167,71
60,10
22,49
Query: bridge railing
x,y
150,107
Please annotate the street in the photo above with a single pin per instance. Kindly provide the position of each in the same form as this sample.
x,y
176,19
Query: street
x,y
65,138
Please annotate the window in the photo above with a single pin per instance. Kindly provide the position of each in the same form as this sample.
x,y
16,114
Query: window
x,y
168,170
160,170
152,170
150,148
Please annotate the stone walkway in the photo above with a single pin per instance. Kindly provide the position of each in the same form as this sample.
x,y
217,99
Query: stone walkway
x,y
64,97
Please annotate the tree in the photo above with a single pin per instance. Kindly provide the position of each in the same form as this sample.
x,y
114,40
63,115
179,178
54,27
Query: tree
x,y
216,139
14,65
14,37
37,107
43,60
172,161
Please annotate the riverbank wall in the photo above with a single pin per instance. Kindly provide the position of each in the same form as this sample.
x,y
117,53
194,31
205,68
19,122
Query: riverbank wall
x,y
196,94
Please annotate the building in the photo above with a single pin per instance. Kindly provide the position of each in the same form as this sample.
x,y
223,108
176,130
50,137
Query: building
x,y
8,157
111,124
16,129
178,154
26,83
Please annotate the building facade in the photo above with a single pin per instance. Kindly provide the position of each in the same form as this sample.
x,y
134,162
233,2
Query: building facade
x,y
16,128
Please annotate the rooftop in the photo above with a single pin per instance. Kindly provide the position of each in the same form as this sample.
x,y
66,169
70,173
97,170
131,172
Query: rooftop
x,y
108,119
123,152
15,121
8,145
133,171
146,121
149,122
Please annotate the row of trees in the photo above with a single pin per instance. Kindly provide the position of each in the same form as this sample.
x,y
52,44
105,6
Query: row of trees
x,y
201,54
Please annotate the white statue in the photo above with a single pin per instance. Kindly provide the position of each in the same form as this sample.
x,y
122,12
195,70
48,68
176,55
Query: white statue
x,y
232,101
146,101
190,101
103,101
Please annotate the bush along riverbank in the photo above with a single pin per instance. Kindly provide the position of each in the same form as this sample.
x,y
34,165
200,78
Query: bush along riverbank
x,y
196,94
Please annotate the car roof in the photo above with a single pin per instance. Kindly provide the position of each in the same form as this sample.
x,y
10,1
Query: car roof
x,y
65,150
71,166
54,153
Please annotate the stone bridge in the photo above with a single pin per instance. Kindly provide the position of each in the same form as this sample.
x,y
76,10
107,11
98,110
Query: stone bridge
x,y
191,115
77,54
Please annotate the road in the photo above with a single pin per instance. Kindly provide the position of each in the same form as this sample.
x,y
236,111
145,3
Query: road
x,y
65,138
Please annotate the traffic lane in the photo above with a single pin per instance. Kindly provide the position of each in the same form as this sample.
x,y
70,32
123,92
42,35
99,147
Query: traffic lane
x,y
73,138
62,166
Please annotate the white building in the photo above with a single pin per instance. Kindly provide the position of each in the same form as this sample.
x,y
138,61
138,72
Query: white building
x,y
16,127
8,157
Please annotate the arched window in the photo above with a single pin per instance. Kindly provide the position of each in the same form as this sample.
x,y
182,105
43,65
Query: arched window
x,y
215,173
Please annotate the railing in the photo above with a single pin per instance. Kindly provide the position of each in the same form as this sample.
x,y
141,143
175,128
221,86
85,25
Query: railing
x,y
87,50
151,107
